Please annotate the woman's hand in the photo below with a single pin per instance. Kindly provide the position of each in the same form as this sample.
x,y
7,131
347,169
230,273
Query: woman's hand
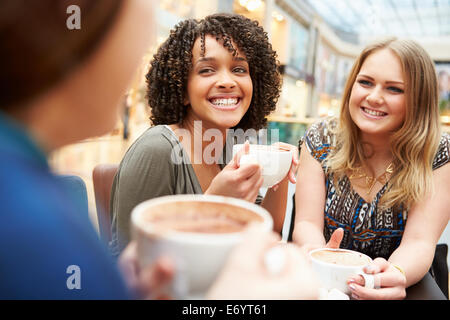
x,y
250,274
238,181
333,243
389,280
291,175
151,282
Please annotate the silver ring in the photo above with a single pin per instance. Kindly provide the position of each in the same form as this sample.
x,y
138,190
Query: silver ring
x,y
369,281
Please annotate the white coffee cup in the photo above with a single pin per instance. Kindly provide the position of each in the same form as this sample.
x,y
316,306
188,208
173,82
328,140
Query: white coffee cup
x,y
275,163
333,273
168,226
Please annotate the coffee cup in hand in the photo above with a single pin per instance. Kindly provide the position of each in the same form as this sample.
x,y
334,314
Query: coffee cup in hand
x,y
197,231
335,266
275,163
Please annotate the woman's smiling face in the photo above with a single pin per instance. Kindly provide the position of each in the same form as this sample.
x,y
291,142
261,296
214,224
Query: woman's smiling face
x,y
377,102
219,88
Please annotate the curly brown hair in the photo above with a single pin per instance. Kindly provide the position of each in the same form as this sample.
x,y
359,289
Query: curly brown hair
x,y
170,67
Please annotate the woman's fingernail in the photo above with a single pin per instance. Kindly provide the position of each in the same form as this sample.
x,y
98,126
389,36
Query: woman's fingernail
x,y
352,287
354,296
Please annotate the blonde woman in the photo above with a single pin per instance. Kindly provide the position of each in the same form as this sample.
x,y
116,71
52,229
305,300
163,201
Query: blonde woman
x,y
379,174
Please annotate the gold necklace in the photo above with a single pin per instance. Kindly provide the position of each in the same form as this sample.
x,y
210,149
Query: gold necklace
x,y
370,181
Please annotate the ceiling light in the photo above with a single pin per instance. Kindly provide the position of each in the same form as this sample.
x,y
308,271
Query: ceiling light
x,y
250,5
300,83
277,16
243,3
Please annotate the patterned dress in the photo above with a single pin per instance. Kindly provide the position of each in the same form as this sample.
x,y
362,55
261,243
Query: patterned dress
x,y
367,228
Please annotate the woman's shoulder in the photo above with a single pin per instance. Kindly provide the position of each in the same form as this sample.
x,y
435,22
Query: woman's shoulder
x,y
320,134
159,138
443,154
160,135
319,139
445,140
154,144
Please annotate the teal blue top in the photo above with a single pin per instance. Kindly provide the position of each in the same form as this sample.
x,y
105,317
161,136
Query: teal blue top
x,y
14,140
49,249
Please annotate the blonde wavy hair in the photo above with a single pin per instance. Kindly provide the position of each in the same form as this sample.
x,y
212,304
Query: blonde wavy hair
x,y
415,144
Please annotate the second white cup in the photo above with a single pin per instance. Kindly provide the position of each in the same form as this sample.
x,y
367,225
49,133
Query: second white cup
x,y
335,266
275,163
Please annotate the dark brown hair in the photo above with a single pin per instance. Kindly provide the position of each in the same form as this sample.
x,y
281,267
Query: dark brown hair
x,y
37,47
169,70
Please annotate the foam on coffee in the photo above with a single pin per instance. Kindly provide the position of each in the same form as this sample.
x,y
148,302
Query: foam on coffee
x,y
202,217
341,257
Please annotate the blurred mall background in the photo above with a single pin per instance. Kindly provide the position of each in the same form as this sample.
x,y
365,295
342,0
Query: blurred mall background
x,y
317,42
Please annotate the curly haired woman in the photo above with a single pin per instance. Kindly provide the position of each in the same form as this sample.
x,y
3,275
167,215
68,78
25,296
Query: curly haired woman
x,y
208,77
380,173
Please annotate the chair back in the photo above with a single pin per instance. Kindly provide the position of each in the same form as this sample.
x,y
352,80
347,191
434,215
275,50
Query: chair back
x,y
103,177
77,190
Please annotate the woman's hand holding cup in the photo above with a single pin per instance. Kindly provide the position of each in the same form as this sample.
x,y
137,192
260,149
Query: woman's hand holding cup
x,y
238,181
294,165
151,282
389,281
247,274
333,243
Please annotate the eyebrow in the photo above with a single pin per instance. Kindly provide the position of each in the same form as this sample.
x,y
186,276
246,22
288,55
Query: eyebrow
x,y
206,59
369,77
